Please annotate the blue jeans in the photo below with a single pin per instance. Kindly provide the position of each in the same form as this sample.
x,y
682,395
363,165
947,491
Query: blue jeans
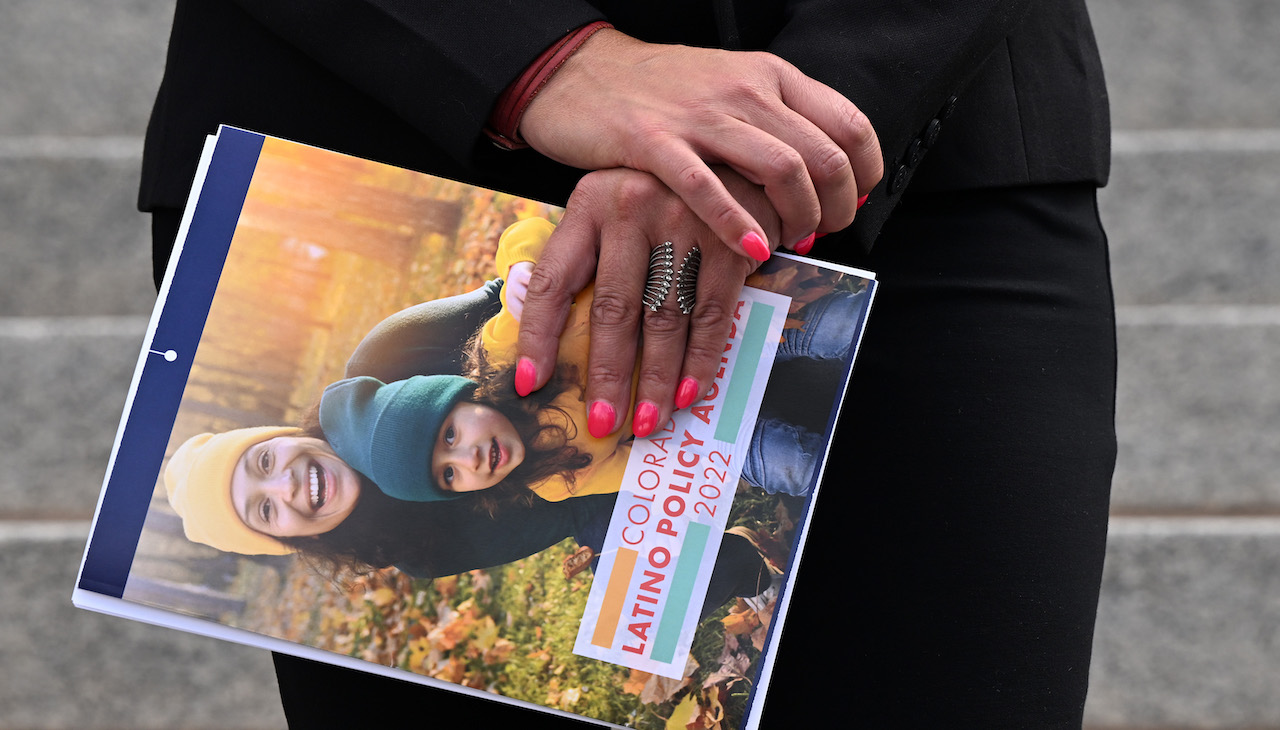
x,y
828,330
782,456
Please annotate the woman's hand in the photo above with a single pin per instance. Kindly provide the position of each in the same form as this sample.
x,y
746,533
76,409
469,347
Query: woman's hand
x,y
613,221
674,110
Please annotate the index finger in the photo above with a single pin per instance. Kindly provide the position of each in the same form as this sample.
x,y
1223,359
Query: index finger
x,y
682,170
567,265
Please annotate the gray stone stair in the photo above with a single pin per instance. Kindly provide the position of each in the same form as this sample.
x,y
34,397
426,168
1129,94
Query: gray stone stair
x,y
1190,64
1188,633
63,667
75,249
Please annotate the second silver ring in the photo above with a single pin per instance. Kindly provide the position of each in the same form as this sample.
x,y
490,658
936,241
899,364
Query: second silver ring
x,y
663,273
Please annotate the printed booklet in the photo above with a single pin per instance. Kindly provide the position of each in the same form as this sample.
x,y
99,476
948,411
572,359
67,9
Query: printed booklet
x,y
322,454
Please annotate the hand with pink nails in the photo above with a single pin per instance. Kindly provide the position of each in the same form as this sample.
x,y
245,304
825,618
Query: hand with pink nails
x,y
614,220
674,111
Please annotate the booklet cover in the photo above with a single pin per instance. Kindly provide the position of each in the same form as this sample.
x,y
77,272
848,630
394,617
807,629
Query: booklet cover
x,y
321,454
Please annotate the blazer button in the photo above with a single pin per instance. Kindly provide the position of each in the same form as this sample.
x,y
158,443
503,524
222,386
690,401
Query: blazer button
x,y
898,180
948,107
915,151
930,133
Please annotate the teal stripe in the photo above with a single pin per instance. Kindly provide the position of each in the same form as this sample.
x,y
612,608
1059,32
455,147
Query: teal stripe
x,y
744,372
679,600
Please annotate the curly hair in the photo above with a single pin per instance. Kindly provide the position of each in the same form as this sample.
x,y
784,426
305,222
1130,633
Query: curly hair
x,y
546,429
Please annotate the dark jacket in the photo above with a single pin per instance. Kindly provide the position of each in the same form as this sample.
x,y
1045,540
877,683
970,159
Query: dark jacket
x,y
980,93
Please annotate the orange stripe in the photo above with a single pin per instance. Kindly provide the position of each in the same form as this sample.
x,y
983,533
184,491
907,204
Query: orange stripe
x,y
615,594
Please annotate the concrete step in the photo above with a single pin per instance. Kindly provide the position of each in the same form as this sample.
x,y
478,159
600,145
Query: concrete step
x,y
1198,410
71,241
1191,218
63,384
1188,637
1190,64
1186,225
74,67
78,248
1188,632
63,667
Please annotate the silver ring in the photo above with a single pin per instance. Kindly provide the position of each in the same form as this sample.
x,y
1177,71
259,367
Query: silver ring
x,y
661,270
687,280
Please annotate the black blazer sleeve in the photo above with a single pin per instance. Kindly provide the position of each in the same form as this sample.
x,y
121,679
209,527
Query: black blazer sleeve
x,y
962,93
439,65
903,63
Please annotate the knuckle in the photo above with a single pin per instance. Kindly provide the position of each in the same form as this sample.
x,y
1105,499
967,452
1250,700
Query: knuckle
x,y
650,145
657,376
644,127
709,327
633,195
547,280
612,312
703,353
861,125
534,333
865,144
724,216
537,332
665,322
711,318
606,373
673,211
770,62
589,192
587,185
782,163
830,164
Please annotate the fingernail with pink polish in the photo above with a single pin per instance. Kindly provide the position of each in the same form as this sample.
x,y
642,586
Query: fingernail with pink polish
x,y
804,245
526,377
600,419
645,420
755,246
862,200
686,393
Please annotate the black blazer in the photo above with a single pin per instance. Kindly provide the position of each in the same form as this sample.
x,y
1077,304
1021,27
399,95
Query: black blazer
x,y
964,94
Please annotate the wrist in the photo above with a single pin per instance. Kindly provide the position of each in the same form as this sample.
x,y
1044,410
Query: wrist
x,y
503,127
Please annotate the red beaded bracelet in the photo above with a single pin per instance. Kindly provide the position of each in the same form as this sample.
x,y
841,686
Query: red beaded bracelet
x,y
504,123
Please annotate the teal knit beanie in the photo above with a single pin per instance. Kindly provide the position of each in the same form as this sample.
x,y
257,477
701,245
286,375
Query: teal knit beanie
x,y
386,431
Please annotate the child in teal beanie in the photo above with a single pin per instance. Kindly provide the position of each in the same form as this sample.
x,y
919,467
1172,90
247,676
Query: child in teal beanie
x,y
385,431
399,435
435,437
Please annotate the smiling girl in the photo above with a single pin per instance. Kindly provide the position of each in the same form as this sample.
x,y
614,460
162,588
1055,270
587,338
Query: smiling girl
x,y
428,438
436,437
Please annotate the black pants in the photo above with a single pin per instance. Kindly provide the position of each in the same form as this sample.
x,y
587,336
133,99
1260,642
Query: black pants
x,y
952,572
957,544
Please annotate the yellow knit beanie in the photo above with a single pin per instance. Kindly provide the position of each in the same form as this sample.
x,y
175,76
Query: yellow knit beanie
x,y
198,481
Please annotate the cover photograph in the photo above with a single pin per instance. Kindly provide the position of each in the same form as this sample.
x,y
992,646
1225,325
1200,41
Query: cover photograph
x,y
322,453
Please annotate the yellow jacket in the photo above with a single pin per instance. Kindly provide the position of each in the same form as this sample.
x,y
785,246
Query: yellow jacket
x,y
524,241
